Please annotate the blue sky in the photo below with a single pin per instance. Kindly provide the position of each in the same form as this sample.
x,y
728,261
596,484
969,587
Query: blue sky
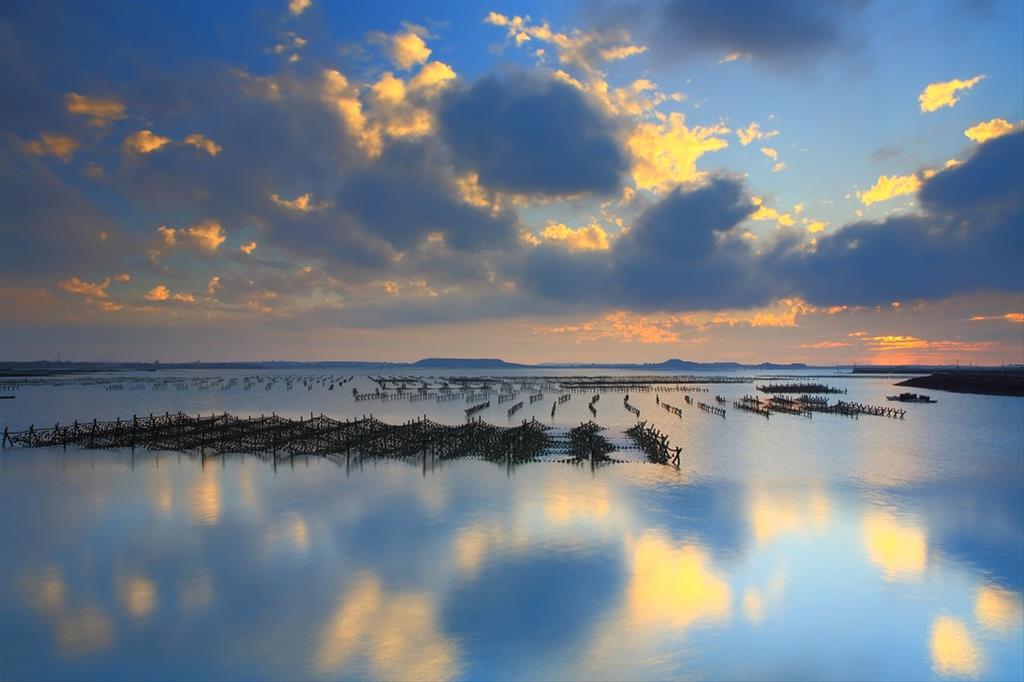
x,y
830,182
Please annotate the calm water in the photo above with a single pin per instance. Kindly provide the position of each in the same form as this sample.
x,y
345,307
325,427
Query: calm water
x,y
791,548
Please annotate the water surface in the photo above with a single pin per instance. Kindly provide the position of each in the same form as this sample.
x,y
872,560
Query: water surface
x,y
824,548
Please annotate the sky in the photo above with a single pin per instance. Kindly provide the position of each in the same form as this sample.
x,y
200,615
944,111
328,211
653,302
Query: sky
x,y
567,182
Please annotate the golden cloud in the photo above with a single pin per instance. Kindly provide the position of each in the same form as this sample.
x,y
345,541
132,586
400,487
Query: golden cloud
x,y
612,54
158,293
625,327
145,142
825,345
101,110
205,236
336,91
986,130
945,94
407,49
304,203
888,187
203,143
431,75
665,154
589,238
61,146
767,213
1009,317
753,132
75,285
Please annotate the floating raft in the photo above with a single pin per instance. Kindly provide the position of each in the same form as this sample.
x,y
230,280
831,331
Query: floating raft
x,y
366,437
799,388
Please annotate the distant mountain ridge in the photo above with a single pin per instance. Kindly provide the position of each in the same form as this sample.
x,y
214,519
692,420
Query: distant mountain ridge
x,y
466,363
435,363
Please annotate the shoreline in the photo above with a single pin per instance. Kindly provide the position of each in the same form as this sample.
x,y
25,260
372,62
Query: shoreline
x,y
979,383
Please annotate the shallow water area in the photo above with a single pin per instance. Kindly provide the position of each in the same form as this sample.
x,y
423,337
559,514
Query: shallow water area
x,y
789,547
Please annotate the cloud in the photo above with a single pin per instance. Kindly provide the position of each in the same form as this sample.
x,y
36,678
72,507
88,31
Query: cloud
x,y
158,293
100,110
589,238
733,57
665,154
612,54
203,143
764,212
1008,317
404,196
687,251
247,248
61,146
93,289
683,253
47,226
431,75
770,152
577,49
530,135
888,187
784,32
145,142
945,94
304,203
753,132
406,48
205,237
297,7
967,238
986,130
622,326
344,98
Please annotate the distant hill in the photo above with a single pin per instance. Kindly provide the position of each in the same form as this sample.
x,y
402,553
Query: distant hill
x,y
675,364
465,363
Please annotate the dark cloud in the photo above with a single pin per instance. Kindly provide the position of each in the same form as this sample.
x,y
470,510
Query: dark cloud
x,y
48,226
530,135
683,253
364,211
970,237
407,193
781,31
686,253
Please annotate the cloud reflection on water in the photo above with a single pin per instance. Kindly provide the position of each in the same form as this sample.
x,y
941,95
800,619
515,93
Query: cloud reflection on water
x,y
649,578
954,651
896,546
396,635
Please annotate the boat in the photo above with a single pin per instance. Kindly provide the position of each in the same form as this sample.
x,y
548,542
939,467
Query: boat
x,y
911,398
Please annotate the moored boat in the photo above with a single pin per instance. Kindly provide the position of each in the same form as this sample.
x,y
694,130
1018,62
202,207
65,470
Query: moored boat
x,y
911,398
